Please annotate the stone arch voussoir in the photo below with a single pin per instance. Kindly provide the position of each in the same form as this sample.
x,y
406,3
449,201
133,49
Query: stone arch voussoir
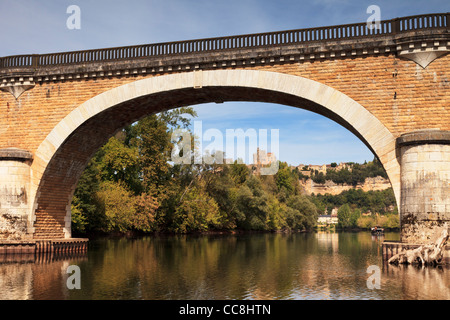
x,y
160,93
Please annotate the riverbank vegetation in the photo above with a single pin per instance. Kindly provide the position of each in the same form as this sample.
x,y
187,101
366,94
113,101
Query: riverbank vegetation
x,y
358,209
131,185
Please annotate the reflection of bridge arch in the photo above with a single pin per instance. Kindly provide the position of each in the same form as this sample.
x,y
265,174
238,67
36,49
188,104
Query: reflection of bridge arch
x,y
61,158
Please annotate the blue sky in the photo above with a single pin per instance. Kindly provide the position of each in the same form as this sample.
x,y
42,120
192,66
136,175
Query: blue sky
x,y
40,27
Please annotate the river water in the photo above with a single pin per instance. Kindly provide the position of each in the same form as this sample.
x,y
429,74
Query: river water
x,y
299,266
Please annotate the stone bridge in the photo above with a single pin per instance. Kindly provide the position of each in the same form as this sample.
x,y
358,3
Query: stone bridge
x,y
389,86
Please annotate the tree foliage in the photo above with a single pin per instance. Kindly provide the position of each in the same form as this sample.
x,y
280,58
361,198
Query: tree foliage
x,y
131,184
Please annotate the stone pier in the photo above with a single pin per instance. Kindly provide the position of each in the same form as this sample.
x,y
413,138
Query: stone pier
x,y
14,193
425,189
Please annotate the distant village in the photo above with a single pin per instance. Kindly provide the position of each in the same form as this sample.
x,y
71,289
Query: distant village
x,y
306,170
262,158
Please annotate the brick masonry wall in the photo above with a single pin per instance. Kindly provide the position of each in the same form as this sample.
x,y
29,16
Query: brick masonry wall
x,y
400,93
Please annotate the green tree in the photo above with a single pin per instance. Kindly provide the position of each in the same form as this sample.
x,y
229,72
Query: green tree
x,y
117,205
366,222
302,214
393,221
284,178
197,212
251,205
355,215
153,141
219,186
136,159
239,172
344,216
143,218
276,214
79,220
120,162
84,208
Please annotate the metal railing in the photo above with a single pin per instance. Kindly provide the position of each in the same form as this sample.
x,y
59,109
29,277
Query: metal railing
x,y
340,32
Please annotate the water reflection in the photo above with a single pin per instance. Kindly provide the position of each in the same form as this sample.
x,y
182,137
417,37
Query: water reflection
x,y
29,276
256,266
421,283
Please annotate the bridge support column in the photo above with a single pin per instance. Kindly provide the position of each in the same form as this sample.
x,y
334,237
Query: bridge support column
x,y
14,194
425,190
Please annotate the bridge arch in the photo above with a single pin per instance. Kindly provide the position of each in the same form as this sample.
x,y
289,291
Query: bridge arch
x,y
61,158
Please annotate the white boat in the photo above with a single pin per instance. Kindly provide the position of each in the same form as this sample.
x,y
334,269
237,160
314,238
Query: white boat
x,y
377,230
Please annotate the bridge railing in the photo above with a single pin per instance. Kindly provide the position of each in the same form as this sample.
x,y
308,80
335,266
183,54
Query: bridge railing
x,y
340,32
426,21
